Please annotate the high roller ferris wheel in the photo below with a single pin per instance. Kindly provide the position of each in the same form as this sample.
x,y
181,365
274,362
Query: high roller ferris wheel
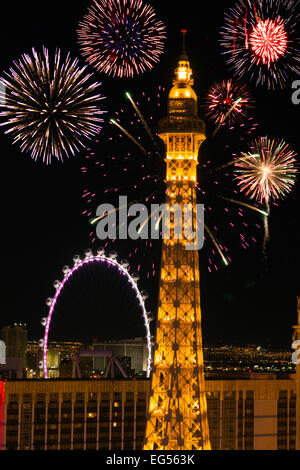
x,y
81,263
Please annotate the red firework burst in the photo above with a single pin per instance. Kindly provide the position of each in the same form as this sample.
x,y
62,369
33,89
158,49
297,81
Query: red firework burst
x,y
268,41
228,102
260,41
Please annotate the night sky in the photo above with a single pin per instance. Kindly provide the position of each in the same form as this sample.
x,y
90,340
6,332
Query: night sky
x,y
252,301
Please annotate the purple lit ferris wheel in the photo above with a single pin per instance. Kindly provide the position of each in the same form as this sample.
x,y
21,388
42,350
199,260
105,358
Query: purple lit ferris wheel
x,y
79,264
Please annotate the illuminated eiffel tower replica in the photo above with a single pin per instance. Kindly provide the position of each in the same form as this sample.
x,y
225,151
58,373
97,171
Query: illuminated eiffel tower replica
x,y
177,414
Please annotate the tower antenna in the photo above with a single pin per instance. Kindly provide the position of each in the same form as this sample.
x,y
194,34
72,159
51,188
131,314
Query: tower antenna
x,y
183,55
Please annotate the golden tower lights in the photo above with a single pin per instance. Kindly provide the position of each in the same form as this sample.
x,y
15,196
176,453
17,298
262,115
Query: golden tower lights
x,y
297,360
177,414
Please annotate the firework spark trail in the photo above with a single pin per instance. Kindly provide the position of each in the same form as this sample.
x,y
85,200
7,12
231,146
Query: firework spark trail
x,y
249,206
121,37
105,214
158,221
144,122
130,136
51,108
226,116
147,220
266,229
245,28
213,239
233,162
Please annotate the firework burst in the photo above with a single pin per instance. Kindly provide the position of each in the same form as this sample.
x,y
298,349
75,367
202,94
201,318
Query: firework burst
x,y
268,41
121,37
268,170
260,40
51,108
228,102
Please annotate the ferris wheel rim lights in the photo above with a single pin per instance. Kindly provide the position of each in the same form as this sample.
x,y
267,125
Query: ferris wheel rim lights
x,y
59,285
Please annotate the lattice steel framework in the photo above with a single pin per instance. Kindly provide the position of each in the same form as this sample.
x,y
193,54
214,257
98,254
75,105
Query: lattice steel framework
x,y
177,415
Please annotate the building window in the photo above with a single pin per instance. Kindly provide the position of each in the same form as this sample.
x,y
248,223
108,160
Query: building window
x,y
213,416
92,396
240,421
79,396
13,398
282,420
292,421
67,396
27,397
40,397
249,420
228,420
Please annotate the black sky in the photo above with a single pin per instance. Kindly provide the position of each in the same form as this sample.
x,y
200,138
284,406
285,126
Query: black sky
x,y
42,226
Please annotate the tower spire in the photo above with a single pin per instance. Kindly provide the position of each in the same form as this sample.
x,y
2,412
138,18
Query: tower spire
x,y
183,72
182,96
183,55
